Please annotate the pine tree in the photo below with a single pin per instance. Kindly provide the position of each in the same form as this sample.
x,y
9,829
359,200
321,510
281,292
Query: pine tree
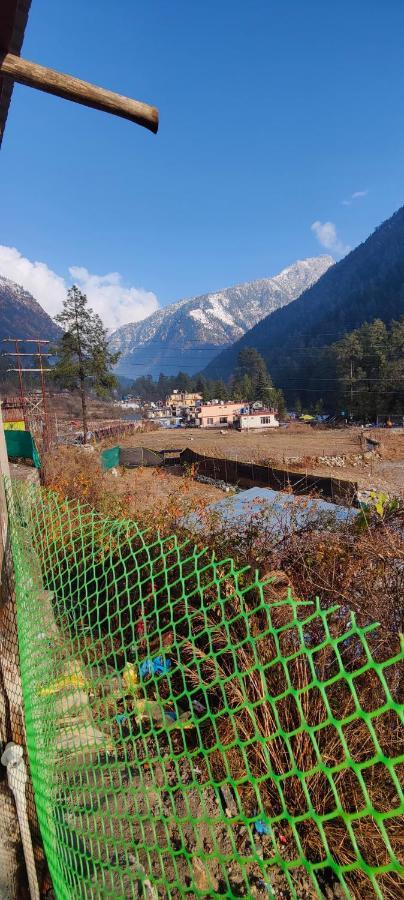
x,y
264,389
219,390
252,380
83,351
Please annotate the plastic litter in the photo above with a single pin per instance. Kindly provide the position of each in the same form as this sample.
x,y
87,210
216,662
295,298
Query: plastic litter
x,y
262,827
267,885
130,678
121,718
72,678
149,709
157,666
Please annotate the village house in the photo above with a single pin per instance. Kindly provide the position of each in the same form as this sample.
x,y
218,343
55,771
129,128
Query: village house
x,y
257,419
218,415
184,404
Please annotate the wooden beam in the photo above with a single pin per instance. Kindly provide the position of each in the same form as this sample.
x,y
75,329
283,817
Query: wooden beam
x,y
78,91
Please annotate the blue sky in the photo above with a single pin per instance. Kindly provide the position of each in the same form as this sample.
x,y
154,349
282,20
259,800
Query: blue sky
x,y
272,114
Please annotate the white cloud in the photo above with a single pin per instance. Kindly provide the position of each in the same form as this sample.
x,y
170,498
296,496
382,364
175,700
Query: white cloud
x,y
47,287
326,234
355,196
115,303
107,295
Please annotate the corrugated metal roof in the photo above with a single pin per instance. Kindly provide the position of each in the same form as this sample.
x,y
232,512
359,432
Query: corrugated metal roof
x,y
13,20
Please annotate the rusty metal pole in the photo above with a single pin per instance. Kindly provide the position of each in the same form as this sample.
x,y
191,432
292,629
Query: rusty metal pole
x,y
45,427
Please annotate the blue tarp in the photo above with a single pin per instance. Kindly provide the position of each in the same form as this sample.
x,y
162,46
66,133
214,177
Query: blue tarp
x,y
276,513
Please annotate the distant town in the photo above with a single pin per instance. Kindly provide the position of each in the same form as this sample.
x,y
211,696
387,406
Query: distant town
x,y
189,410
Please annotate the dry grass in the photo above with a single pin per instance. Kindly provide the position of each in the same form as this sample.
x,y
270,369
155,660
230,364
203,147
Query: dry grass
x,y
263,727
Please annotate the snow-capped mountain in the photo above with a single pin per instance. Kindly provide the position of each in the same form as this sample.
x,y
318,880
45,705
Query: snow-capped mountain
x,y
188,334
21,316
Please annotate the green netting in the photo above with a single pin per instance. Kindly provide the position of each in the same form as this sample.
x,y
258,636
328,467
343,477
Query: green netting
x,y
188,733
110,458
22,444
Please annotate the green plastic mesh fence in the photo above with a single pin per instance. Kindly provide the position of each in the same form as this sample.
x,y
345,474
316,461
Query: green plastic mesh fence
x,y
189,734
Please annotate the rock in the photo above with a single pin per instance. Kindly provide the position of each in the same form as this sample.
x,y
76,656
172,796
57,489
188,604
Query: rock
x,y
203,878
230,803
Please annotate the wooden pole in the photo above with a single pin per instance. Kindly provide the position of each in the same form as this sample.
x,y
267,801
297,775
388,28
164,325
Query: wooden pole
x,y
4,476
11,721
78,91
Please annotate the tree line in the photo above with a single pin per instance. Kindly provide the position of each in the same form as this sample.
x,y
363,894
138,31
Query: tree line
x,y
361,375
250,382
368,366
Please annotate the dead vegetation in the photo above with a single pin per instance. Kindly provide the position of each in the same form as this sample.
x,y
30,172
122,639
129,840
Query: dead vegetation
x,y
157,497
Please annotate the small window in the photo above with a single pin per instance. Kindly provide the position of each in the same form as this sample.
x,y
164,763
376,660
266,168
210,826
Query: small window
x,y
223,420
210,421
265,420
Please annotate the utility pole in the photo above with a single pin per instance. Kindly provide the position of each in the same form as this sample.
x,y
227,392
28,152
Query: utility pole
x,y
351,390
39,354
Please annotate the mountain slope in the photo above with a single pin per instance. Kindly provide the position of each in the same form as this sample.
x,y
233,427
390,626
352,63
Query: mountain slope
x,y
366,284
187,334
21,316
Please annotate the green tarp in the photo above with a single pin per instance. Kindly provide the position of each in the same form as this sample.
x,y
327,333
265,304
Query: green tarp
x,y
22,445
110,458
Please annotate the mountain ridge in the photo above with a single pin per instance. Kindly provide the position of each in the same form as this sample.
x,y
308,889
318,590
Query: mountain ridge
x,y
187,333
22,316
366,284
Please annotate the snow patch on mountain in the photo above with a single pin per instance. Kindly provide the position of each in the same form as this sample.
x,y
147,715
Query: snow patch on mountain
x,y
21,315
190,332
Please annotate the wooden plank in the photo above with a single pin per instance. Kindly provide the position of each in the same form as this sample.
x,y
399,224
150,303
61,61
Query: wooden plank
x,y
70,88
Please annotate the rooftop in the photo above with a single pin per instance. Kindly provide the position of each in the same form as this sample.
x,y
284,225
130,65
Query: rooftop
x,y
259,412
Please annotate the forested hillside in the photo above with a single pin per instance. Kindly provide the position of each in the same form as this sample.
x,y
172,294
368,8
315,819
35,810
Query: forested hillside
x,y
367,284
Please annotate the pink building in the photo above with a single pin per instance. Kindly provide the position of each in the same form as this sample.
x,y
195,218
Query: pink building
x,y
218,415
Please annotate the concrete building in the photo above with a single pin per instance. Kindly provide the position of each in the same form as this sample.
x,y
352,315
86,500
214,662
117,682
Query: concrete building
x,y
184,404
258,419
184,398
218,415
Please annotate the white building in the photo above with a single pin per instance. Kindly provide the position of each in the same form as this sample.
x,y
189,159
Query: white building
x,y
259,419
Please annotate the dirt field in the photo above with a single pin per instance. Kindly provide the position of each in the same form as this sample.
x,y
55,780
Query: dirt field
x,y
343,453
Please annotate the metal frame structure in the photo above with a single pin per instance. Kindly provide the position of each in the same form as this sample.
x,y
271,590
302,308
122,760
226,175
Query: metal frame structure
x,y
34,411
